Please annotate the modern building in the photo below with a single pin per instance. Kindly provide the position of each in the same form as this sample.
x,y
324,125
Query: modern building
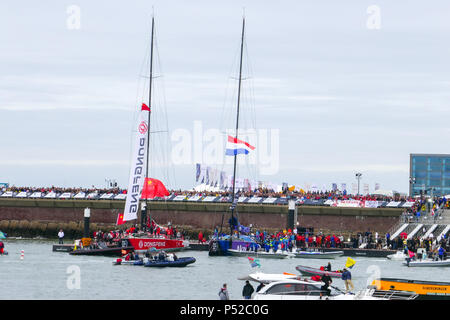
x,y
429,173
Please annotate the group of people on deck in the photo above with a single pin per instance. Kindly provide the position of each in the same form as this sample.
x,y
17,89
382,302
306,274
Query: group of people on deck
x,y
154,256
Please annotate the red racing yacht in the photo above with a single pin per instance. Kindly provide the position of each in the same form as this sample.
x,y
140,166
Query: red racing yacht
x,y
142,187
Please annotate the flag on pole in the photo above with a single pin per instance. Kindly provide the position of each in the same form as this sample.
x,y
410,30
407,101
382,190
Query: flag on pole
x,y
236,146
120,219
153,188
350,263
254,262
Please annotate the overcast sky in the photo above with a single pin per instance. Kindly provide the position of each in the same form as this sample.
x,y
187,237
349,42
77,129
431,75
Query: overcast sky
x,y
350,85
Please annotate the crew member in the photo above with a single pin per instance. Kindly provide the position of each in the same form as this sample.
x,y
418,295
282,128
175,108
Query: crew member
x,y
326,279
347,277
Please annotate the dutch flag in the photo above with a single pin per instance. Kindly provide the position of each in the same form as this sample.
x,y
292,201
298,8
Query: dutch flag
x,y
236,146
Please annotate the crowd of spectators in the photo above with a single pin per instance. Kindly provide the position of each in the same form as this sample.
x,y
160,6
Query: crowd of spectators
x,y
61,190
263,193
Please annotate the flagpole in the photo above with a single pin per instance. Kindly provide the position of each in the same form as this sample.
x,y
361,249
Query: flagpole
x,y
233,205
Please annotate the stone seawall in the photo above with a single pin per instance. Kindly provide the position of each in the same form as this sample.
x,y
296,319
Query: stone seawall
x,y
44,217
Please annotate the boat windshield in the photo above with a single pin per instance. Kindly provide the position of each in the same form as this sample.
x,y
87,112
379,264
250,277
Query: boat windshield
x,y
296,289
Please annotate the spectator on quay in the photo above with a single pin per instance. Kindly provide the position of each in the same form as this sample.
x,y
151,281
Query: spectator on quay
x,y
61,236
248,290
223,293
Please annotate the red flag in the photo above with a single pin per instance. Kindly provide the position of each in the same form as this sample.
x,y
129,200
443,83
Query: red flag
x,y
120,219
153,188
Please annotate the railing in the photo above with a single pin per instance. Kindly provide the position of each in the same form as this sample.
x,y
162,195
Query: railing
x,y
394,295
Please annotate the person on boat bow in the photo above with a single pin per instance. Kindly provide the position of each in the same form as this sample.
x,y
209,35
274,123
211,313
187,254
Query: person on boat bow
x,y
347,277
326,279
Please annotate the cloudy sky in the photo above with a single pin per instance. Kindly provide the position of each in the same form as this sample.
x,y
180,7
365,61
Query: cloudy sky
x,y
350,86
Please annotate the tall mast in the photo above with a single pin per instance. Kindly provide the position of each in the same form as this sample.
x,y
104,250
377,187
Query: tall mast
x,y
150,106
237,125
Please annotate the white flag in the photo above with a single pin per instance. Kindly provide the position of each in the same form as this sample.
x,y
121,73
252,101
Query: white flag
x,y
138,166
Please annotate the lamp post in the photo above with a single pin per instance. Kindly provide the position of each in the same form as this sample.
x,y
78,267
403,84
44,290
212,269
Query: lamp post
x,y
412,181
86,240
358,177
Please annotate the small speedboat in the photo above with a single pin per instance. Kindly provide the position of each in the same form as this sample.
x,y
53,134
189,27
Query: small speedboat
x,y
309,271
180,262
259,254
398,256
427,263
318,254
128,262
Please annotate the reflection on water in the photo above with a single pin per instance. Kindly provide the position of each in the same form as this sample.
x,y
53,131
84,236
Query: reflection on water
x,y
44,274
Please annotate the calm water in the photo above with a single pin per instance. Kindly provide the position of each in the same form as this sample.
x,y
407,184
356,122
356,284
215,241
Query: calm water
x,y
44,274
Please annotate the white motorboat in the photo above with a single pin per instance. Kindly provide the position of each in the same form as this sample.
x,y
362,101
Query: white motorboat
x,y
318,254
270,277
427,263
310,290
398,256
259,254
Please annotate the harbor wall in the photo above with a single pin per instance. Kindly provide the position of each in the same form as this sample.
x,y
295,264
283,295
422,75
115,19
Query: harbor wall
x,y
44,217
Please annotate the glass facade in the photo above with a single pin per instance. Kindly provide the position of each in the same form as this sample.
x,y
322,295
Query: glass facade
x,y
429,171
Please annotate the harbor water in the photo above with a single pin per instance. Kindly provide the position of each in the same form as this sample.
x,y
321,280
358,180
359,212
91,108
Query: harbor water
x,y
43,274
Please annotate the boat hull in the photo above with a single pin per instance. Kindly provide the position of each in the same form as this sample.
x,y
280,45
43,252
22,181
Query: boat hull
x,y
444,263
168,245
180,262
263,254
221,247
427,290
308,271
129,263
318,255
109,252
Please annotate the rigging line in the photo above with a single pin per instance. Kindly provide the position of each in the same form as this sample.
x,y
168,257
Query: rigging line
x,y
169,169
233,66
138,100
251,85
